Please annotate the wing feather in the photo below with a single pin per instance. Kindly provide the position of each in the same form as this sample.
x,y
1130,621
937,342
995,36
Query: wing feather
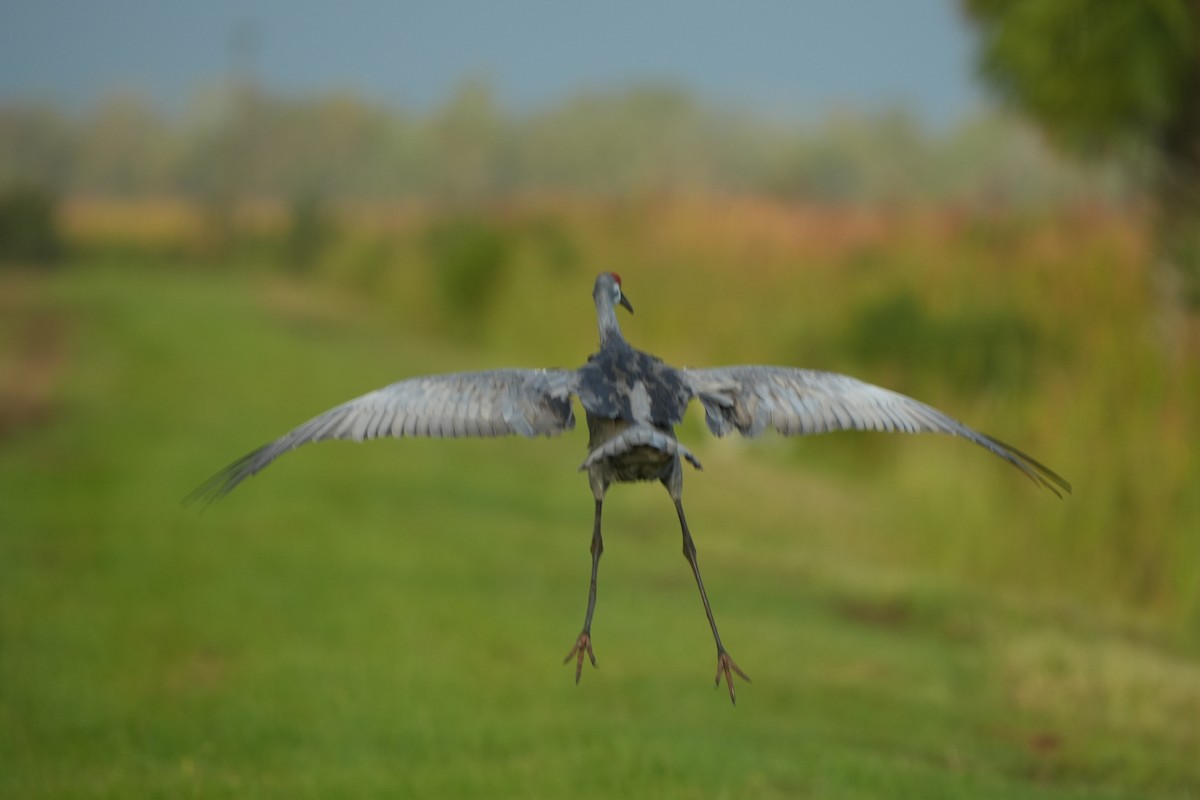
x,y
492,403
749,399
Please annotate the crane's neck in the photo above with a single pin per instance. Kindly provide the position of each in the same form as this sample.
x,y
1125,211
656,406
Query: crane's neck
x,y
606,320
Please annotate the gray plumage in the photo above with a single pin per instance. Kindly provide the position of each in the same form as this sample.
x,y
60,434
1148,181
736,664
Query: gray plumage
x,y
632,402
532,402
750,399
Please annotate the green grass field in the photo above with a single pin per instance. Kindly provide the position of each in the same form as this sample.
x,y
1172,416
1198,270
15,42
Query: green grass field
x,y
389,619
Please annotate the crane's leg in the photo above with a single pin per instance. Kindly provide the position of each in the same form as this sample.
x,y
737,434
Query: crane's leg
x,y
725,665
584,643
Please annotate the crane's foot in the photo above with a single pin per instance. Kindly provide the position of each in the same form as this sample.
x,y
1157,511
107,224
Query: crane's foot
x,y
583,645
726,667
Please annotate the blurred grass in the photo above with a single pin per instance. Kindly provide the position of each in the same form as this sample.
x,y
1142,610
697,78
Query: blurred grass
x,y
389,618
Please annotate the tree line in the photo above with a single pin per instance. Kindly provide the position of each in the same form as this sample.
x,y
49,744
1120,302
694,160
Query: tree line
x,y
244,142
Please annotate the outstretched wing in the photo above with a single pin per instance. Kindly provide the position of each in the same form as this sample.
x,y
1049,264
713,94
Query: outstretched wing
x,y
492,403
748,399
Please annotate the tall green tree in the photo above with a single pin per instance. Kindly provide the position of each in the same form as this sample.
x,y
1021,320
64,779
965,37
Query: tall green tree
x,y
1113,77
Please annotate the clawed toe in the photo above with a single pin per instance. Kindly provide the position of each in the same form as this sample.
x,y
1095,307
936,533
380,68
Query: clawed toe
x,y
583,645
726,667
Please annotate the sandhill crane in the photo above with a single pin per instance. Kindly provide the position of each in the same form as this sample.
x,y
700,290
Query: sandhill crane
x,y
632,402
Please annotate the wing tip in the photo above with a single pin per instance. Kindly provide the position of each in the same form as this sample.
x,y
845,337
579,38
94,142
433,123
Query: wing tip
x,y
225,481
1037,472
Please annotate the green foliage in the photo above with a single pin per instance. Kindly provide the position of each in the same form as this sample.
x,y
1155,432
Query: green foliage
x,y
1117,77
250,144
976,350
29,227
1092,72
466,141
311,229
469,255
553,244
129,149
38,146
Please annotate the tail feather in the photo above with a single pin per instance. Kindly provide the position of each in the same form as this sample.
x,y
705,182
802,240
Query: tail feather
x,y
640,436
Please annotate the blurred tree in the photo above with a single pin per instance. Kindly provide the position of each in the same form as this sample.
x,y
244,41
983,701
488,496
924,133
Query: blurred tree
x,y
469,255
237,145
37,147
640,138
467,138
126,148
311,229
221,164
996,348
1115,78
29,230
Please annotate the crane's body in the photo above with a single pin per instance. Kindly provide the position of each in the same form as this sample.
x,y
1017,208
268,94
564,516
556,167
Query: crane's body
x,y
632,402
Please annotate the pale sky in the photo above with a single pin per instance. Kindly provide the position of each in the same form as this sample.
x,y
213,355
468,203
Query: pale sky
x,y
779,57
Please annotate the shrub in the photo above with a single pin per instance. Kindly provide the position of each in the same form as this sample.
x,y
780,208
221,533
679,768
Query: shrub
x,y
29,227
469,257
310,231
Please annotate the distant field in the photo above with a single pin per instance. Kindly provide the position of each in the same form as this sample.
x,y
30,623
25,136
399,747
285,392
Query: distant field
x,y
389,619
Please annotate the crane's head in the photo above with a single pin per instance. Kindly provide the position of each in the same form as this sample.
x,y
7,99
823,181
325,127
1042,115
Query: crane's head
x,y
608,286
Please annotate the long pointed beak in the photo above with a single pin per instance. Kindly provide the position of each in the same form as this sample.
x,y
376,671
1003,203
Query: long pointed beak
x,y
625,302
